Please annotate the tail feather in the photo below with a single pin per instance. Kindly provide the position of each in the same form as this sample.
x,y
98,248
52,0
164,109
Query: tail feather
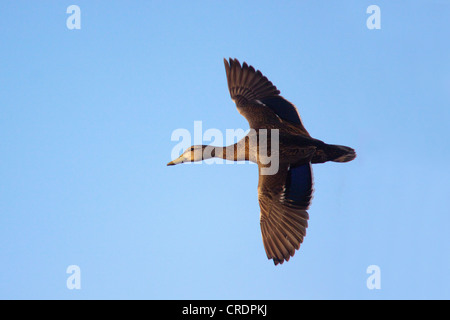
x,y
334,153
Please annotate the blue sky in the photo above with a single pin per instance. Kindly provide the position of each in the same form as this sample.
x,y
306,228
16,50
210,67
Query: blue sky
x,y
85,134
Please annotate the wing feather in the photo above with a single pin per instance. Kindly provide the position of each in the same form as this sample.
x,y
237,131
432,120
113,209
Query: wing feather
x,y
284,199
246,82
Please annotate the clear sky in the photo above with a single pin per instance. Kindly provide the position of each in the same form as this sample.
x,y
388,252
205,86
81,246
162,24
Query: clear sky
x,y
85,134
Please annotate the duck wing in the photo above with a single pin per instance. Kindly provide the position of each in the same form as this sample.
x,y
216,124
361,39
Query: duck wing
x,y
284,199
250,86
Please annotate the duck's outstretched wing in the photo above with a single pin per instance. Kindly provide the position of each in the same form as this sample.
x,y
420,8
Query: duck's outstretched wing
x,y
251,85
284,199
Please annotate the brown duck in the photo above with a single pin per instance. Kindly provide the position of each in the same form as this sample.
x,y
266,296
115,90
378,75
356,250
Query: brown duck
x,y
284,195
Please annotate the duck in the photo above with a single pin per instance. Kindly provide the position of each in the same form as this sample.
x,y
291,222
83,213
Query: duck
x,y
284,193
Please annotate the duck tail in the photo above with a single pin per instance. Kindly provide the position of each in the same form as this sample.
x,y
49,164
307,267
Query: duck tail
x,y
335,153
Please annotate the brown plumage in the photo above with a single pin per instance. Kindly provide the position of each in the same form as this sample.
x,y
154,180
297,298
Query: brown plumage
x,y
285,196
284,216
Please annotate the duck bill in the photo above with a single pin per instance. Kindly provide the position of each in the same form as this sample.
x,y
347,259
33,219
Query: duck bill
x,y
176,161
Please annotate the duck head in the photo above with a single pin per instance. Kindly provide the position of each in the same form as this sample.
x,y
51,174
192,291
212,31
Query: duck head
x,y
194,153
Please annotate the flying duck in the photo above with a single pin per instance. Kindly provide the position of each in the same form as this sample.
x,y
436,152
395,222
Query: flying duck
x,y
284,195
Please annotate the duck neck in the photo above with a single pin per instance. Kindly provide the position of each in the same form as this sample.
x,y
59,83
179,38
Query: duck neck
x,y
231,153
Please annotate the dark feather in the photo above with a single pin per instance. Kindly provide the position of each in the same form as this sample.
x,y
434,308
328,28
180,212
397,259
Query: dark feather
x,y
284,199
299,185
251,86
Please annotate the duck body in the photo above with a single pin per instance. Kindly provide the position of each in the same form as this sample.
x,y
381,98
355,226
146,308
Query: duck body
x,y
295,144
